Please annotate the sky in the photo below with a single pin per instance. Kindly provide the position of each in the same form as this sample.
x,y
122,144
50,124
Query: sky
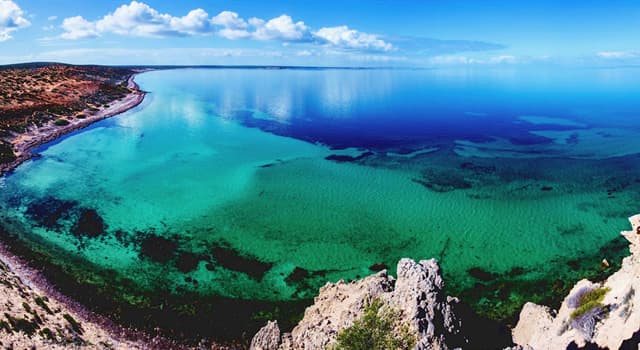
x,y
322,33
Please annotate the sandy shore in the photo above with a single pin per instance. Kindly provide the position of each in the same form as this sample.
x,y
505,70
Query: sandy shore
x,y
97,330
25,143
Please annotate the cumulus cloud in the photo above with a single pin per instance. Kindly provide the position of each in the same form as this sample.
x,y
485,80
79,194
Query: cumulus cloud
x,y
280,28
11,19
344,37
229,19
78,28
140,19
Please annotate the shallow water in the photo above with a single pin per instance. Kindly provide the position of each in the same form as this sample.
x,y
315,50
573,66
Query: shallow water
x,y
264,184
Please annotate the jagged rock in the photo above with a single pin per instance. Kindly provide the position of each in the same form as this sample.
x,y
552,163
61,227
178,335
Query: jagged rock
x,y
417,293
441,322
268,338
617,328
335,308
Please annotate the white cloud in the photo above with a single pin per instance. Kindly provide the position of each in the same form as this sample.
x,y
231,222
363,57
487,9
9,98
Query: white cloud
x,y
234,27
234,34
464,60
230,20
78,28
139,19
52,18
11,19
616,54
344,37
280,28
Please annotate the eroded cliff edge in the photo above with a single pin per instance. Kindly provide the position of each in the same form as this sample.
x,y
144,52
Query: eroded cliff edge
x,y
613,322
438,321
602,315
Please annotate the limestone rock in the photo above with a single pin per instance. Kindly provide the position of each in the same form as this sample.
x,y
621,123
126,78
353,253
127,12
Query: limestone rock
x,y
417,294
539,320
268,338
615,329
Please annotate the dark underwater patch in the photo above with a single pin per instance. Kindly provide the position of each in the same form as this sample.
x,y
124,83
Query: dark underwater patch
x,y
297,275
158,248
481,274
90,224
478,169
188,261
344,158
442,182
231,259
378,267
48,212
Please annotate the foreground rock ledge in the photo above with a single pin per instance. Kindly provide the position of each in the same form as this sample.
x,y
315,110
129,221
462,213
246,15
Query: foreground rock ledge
x,y
417,293
441,322
542,328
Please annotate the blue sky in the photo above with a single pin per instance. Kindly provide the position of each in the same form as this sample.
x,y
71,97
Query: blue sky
x,y
302,32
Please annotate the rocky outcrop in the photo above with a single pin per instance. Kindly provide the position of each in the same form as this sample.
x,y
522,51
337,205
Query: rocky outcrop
x,y
417,295
610,323
268,338
602,315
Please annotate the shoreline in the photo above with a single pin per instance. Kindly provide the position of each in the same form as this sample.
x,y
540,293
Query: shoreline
x,y
124,337
32,277
25,143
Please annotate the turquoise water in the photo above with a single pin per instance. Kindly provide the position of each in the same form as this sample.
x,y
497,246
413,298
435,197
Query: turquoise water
x,y
262,185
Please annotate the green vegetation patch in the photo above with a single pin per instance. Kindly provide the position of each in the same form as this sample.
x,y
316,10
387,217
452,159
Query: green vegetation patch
x,y
379,328
6,153
42,302
61,122
589,300
74,324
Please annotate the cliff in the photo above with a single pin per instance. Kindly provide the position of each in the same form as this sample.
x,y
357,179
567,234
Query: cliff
x,y
610,321
438,321
593,316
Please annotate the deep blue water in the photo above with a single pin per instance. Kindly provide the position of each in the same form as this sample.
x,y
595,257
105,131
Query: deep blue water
x,y
380,109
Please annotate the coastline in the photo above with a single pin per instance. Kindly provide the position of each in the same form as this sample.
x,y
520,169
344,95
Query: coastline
x,y
33,279
24,144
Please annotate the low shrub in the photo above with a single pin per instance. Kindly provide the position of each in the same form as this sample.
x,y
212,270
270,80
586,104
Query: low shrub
x,y
376,330
6,153
589,309
61,122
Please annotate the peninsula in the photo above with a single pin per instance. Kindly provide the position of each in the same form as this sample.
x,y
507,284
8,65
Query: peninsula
x,y
39,102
